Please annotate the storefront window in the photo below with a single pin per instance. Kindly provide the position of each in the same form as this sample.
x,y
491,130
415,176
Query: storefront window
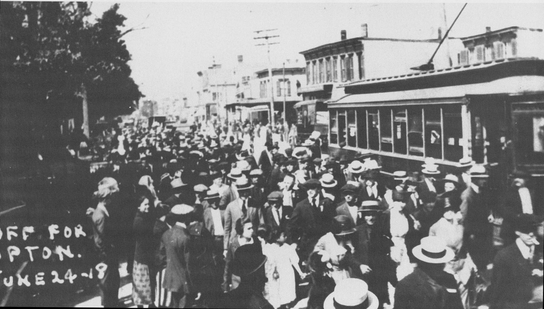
x,y
453,133
361,129
415,132
328,69
433,132
335,69
385,130
373,130
400,131
352,129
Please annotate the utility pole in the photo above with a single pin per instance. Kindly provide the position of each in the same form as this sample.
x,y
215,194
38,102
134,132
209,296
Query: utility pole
x,y
266,37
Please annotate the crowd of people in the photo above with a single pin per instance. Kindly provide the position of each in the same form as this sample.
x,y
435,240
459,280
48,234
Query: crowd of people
x,y
207,218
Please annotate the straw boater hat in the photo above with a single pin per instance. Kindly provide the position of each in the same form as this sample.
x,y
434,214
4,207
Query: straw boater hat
x,y
235,173
372,165
256,173
243,165
200,188
243,183
433,250
356,167
212,194
328,181
308,143
465,162
430,167
370,206
351,293
450,178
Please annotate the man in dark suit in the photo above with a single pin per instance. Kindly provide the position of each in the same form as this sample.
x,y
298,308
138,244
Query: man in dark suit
x,y
312,218
181,194
276,215
266,161
429,286
517,199
350,205
214,221
515,273
175,244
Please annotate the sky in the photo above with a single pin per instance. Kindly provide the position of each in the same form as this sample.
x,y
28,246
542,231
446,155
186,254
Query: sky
x,y
178,39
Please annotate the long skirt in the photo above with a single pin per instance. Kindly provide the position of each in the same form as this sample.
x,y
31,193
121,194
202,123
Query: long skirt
x,y
163,298
141,284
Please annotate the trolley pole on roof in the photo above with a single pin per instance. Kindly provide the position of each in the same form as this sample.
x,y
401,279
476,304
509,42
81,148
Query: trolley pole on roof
x,y
266,37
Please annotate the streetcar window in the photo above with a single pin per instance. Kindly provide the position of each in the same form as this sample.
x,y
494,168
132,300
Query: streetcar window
x,y
415,132
373,131
333,125
400,130
385,130
310,115
453,133
529,138
361,129
352,129
433,132
342,132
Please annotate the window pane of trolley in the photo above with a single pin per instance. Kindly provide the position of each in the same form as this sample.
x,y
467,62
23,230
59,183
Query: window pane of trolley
x,y
433,132
453,133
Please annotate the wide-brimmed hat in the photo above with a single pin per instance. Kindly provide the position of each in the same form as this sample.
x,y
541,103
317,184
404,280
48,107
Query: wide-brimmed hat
x,y
356,167
465,162
291,161
182,209
327,181
235,173
308,143
243,183
400,175
433,250
212,194
343,225
247,260
200,188
298,152
362,156
351,293
256,172
430,167
370,206
242,155
315,135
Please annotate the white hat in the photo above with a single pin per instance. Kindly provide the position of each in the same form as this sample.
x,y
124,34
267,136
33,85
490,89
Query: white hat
x,y
181,209
372,165
356,167
328,181
315,134
430,167
235,173
351,292
307,143
433,250
243,165
177,182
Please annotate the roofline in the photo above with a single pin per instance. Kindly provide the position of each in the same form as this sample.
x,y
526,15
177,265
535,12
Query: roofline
x,y
353,40
280,70
498,31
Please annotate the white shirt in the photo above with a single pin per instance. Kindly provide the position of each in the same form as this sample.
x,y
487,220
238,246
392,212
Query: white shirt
x,y
287,198
526,203
353,212
217,224
330,196
276,212
104,209
524,249
430,185
316,198
372,190
475,188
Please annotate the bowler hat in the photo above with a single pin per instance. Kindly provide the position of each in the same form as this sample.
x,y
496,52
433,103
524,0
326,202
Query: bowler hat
x,y
372,206
212,194
526,223
247,260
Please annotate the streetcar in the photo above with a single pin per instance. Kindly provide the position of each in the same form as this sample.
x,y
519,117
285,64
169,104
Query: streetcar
x,y
491,113
312,115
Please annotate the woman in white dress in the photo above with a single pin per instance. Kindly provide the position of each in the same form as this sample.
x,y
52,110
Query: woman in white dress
x,y
280,290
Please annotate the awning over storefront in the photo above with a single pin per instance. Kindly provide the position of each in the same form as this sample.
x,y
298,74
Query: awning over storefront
x,y
307,102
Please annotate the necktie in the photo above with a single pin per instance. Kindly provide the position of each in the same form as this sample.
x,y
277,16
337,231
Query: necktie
x,y
278,218
313,202
244,207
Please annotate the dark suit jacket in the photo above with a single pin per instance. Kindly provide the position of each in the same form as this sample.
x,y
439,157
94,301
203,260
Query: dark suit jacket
x,y
284,220
419,291
510,207
475,210
175,246
105,236
265,163
308,221
364,194
343,209
512,284
234,212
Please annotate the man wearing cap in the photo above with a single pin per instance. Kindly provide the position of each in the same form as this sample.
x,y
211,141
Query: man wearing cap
x,y
429,286
258,191
175,249
516,200
214,221
276,216
516,270
312,218
200,192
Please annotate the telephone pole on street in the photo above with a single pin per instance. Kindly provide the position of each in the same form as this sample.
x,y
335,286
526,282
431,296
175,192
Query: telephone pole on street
x,y
266,37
